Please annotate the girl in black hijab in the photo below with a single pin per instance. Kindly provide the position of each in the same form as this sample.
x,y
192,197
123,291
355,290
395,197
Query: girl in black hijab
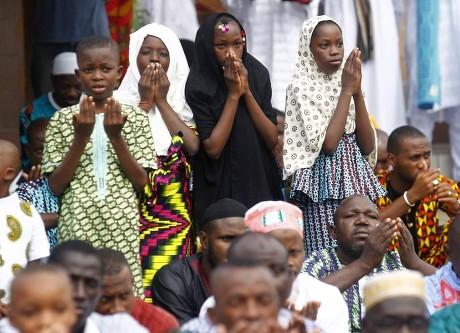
x,y
229,93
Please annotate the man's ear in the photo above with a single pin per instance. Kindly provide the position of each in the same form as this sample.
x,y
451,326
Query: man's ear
x,y
391,160
332,232
203,240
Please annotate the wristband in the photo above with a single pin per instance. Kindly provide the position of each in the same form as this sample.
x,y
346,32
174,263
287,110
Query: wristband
x,y
407,200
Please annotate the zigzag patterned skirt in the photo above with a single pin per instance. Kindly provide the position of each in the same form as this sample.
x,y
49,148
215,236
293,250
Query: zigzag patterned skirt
x,y
165,209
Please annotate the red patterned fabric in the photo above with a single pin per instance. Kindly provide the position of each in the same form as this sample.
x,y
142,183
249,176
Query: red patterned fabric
x,y
431,237
154,318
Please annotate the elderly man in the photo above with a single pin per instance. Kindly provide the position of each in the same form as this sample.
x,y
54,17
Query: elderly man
x,y
362,250
424,199
395,302
182,286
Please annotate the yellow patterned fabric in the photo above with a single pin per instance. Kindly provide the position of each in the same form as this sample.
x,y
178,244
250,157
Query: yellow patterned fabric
x,y
113,221
431,236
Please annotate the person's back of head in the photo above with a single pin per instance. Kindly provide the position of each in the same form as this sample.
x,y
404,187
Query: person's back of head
x,y
117,287
41,300
10,165
36,139
263,249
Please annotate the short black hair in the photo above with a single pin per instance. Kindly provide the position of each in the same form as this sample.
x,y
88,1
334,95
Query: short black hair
x,y
114,261
97,42
221,209
57,256
401,133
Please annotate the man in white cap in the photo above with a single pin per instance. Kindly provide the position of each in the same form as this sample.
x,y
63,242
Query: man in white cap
x,y
395,302
66,92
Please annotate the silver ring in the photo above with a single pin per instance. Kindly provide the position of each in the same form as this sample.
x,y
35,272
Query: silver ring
x,y
435,182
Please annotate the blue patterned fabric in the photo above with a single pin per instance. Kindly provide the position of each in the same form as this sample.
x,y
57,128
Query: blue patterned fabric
x,y
428,69
38,193
320,189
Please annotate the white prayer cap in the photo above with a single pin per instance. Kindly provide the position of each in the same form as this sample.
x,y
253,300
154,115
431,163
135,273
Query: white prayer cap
x,y
388,285
65,63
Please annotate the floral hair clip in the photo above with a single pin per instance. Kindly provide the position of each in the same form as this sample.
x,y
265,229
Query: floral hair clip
x,y
223,27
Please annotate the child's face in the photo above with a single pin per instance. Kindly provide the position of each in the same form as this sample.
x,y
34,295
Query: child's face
x,y
227,39
153,50
98,72
42,301
327,47
36,134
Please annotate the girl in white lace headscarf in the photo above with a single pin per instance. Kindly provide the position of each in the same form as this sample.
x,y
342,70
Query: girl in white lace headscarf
x,y
328,134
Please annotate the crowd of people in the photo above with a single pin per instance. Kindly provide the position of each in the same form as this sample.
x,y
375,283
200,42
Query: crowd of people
x,y
174,197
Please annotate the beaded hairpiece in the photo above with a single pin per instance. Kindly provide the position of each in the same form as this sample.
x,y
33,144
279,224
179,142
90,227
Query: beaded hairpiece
x,y
223,27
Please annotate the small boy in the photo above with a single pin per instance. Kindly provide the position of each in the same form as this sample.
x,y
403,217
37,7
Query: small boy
x,y
22,233
95,154
36,189
41,301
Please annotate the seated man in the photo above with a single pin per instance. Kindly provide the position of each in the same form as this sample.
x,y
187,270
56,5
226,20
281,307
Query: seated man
x,y
67,91
362,250
41,301
443,287
182,286
284,222
83,264
117,296
419,196
22,233
254,249
382,154
395,302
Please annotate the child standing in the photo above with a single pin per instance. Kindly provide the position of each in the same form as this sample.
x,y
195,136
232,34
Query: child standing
x,y
328,135
229,92
155,81
95,154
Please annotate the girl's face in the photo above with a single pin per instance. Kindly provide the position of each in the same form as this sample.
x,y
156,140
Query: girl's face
x,y
153,50
327,47
227,39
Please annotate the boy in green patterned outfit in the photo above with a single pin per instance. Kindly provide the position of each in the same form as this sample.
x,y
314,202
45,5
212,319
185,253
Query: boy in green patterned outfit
x,y
96,154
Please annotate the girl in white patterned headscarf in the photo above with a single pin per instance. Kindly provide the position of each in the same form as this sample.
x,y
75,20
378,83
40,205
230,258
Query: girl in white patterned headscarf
x,y
155,81
328,134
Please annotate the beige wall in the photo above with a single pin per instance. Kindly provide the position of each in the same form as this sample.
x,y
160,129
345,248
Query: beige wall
x,y
12,67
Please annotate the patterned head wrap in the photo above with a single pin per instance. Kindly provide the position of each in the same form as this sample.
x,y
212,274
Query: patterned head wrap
x,y
272,215
311,100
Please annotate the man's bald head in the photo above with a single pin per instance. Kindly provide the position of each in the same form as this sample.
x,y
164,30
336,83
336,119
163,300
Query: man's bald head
x,y
10,165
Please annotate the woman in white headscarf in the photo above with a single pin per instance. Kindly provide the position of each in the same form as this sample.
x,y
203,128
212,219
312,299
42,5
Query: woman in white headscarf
x,y
155,81
328,135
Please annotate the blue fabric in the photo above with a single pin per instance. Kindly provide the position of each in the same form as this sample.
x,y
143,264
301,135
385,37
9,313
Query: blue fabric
x,y
38,193
428,69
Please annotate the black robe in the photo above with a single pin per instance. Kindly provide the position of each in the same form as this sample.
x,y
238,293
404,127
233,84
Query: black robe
x,y
246,170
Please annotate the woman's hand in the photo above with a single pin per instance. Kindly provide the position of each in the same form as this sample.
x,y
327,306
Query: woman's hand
x,y
232,78
242,73
161,83
146,85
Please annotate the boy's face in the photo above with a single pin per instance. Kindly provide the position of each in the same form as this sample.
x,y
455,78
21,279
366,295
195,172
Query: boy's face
x,y
98,72
34,148
42,302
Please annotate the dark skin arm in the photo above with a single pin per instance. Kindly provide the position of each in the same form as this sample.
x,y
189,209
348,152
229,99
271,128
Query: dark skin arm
x,y
423,186
153,88
351,88
114,121
374,249
221,132
83,124
50,220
